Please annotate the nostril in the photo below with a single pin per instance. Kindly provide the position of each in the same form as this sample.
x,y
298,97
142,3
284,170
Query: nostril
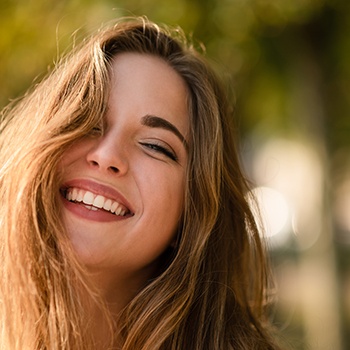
x,y
94,163
114,169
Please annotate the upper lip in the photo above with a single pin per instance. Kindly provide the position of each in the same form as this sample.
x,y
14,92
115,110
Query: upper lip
x,y
98,189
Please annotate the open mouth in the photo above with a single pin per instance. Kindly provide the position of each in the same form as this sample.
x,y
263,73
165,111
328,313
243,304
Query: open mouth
x,y
94,201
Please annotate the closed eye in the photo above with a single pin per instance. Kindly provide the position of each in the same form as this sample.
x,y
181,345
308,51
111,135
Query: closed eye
x,y
96,131
154,147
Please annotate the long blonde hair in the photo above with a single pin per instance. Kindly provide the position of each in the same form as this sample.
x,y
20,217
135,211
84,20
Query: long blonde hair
x,y
211,293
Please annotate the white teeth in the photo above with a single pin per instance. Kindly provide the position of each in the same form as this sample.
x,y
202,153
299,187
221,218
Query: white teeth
x,y
95,202
114,207
74,194
107,205
88,198
99,201
118,211
90,207
80,196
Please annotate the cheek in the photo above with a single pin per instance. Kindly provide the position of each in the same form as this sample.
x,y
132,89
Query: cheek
x,y
165,189
163,199
76,151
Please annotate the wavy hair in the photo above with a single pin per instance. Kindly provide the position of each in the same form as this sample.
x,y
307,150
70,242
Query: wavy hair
x,y
212,292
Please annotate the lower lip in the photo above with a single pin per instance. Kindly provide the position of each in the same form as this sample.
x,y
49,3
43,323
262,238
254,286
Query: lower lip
x,y
99,215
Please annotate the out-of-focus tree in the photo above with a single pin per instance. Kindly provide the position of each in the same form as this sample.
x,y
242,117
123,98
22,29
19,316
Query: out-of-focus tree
x,y
265,46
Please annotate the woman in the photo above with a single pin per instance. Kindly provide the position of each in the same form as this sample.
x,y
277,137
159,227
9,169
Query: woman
x,y
124,217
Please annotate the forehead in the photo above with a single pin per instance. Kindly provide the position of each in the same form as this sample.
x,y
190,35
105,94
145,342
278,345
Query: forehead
x,y
156,70
149,85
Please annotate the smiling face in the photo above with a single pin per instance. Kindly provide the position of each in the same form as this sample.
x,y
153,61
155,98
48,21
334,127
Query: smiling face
x,y
122,189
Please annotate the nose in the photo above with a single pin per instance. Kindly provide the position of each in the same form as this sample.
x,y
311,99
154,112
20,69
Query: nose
x,y
109,155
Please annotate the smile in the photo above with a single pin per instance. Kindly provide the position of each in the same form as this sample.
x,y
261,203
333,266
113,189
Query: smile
x,y
95,202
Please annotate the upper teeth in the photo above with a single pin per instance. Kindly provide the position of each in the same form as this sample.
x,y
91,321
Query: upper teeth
x,y
97,201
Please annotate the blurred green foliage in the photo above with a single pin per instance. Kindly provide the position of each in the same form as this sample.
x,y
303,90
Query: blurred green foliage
x,y
288,60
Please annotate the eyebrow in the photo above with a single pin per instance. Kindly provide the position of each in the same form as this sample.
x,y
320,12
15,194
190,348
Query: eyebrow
x,y
153,121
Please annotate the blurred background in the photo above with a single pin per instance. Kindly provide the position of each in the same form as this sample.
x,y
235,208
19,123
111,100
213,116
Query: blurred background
x,y
289,65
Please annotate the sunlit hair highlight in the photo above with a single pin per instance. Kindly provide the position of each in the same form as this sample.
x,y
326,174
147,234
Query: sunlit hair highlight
x,y
211,293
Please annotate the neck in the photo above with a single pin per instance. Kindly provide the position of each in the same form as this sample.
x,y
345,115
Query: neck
x,y
115,294
101,320
117,289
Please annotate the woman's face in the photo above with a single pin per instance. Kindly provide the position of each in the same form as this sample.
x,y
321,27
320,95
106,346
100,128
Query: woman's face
x,y
123,190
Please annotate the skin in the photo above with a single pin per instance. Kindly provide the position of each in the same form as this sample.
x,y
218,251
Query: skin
x,y
139,159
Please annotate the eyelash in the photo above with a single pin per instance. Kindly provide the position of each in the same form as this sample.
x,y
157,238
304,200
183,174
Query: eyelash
x,y
158,148
96,131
